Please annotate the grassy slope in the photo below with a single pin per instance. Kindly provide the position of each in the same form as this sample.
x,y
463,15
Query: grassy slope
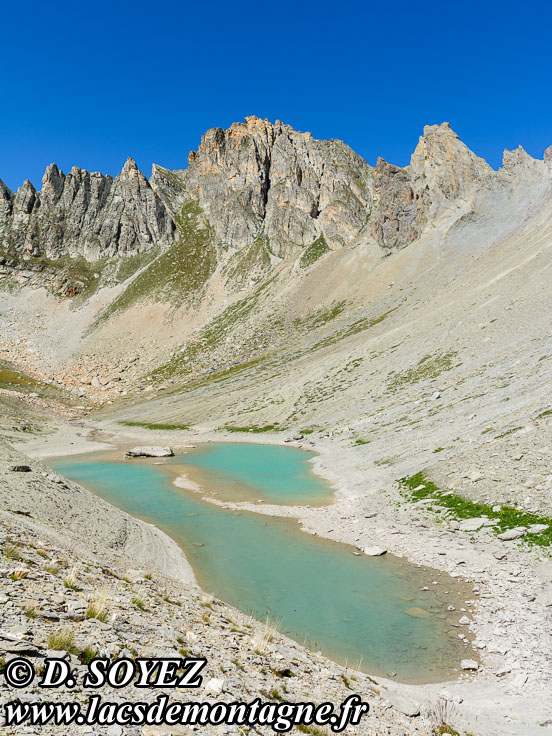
x,y
178,274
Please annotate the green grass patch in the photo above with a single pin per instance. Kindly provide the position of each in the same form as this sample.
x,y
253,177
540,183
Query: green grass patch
x,y
248,262
313,252
11,552
428,367
464,508
443,729
360,325
96,612
139,603
64,641
272,694
508,432
313,730
209,338
319,317
285,672
360,441
546,413
153,425
14,380
86,277
87,654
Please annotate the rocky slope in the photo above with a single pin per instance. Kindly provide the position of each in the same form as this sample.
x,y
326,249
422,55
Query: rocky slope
x,y
263,220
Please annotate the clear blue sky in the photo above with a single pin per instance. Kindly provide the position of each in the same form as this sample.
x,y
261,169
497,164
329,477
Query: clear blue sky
x,y
90,83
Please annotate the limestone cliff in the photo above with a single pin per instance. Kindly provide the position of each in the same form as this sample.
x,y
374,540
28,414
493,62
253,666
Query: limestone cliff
x,y
261,179
84,214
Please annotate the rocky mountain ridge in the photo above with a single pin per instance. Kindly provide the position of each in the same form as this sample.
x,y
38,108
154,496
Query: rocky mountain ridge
x,y
84,214
256,182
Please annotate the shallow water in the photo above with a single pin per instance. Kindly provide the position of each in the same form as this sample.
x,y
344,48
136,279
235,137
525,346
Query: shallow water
x,y
316,591
241,471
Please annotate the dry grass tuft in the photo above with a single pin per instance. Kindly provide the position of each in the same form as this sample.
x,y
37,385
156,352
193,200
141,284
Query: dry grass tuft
x,y
97,607
262,638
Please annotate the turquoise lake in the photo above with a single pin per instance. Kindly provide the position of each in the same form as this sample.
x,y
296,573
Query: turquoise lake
x,y
352,608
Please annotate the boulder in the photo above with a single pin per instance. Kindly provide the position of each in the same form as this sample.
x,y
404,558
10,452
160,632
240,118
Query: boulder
x,y
374,551
511,534
469,664
537,528
150,452
215,686
471,525
20,468
403,704
13,645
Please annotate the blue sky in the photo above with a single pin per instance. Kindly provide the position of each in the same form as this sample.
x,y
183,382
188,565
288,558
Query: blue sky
x,y
90,83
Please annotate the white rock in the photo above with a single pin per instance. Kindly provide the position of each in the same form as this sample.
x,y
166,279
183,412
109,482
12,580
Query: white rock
x,y
464,621
374,551
511,534
215,685
150,452
471,525
518,680
403,704
469,664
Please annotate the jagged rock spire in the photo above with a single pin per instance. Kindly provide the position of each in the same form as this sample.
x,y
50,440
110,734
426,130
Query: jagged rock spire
x,y
88,214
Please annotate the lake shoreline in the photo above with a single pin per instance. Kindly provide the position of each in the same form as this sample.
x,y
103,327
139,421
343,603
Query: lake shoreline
x,y
241,570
